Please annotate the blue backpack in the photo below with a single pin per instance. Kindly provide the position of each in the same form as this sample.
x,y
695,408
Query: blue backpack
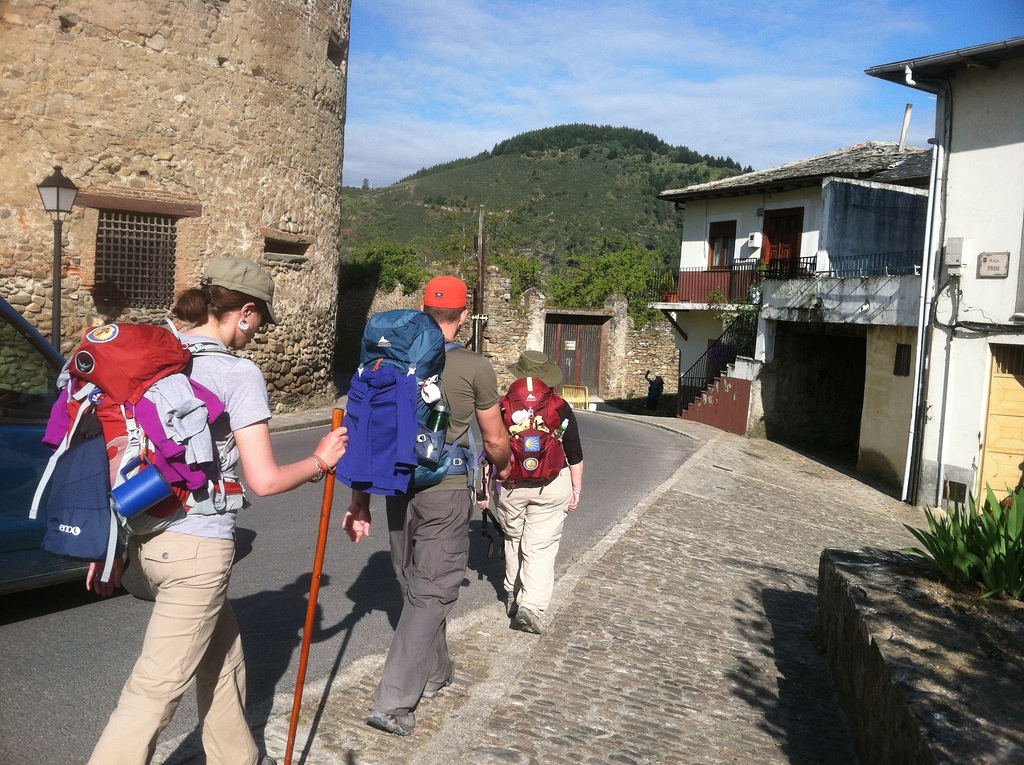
x,y
398,380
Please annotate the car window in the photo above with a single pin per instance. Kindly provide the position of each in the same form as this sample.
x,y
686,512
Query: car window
x,y
27,378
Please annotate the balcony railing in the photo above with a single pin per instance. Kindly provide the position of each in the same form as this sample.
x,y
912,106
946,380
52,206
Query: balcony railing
x,y
791,268
733,284
878,264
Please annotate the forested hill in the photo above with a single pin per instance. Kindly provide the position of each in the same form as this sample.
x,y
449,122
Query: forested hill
x,y
554,192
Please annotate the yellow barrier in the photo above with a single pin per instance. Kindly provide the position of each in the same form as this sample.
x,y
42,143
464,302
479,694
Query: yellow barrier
x,y
578,396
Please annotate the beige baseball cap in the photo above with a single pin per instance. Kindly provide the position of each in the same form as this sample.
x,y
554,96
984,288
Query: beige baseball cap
x,y
245,276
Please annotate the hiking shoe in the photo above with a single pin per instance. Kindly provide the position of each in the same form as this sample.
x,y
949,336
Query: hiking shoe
x,y
433,694
400,726
510,605
526,621
267,760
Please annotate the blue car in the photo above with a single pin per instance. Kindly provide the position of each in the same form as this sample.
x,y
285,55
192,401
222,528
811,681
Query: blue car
x,y
28,373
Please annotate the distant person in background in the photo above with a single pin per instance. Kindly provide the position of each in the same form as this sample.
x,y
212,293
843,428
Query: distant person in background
x,y
655,388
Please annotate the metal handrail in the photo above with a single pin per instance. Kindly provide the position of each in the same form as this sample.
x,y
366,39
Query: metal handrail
x,y
738,339
695,285
897,263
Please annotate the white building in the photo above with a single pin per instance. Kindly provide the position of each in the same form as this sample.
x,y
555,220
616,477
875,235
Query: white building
x,y
967,428
831,246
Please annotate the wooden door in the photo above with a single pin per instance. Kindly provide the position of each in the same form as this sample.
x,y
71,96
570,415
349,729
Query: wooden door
x,y
1004,430
574,344
781,235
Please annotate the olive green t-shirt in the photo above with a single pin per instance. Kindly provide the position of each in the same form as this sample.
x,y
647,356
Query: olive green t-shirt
x,y
468,383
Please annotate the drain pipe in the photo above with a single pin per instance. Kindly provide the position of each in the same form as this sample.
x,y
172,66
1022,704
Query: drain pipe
x,y
929,279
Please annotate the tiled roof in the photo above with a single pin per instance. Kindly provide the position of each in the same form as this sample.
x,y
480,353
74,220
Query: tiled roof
x,y
864,161
915,168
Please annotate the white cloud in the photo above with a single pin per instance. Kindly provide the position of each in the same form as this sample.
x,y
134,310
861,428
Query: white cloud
x,y
764,81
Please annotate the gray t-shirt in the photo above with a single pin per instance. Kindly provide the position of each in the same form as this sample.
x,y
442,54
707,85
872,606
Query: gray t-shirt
x,y
240,385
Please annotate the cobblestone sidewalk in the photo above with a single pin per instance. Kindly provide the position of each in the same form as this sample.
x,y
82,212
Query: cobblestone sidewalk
x,y
683,637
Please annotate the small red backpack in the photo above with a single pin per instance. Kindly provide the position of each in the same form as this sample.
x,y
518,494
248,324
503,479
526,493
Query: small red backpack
x,y
532,413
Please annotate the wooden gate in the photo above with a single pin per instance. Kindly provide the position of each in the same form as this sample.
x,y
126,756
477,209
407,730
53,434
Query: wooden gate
x,y
574,343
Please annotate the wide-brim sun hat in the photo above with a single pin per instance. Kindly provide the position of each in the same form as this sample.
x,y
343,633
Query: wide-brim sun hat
x,y
245,276
536,364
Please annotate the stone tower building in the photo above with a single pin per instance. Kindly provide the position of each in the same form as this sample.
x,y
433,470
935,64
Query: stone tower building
x,y
193,129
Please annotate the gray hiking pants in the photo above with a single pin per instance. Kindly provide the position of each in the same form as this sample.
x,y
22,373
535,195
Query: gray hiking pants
x,y
429,536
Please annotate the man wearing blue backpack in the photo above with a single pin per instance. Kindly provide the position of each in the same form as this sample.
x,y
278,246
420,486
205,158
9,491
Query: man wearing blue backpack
x,y
429,528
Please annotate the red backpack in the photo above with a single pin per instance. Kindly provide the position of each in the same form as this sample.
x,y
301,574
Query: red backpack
x,y
532,412
107,433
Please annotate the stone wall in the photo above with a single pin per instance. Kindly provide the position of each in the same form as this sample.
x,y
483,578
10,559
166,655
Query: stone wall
x,y
517,325
924,674
514,326
226,117
878,715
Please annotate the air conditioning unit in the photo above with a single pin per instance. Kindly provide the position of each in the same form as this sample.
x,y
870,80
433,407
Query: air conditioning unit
x,y
754,240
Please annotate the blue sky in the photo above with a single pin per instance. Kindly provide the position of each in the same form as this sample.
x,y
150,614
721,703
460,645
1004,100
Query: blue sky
x,y
762,81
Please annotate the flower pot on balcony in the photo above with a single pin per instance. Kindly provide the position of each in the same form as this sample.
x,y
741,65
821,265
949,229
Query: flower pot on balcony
x,y
669,297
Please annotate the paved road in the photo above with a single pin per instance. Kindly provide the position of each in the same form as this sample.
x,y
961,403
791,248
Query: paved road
x,y
682,636
67,653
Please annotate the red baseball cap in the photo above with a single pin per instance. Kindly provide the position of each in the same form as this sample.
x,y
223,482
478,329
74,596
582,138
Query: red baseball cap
x,y
445,292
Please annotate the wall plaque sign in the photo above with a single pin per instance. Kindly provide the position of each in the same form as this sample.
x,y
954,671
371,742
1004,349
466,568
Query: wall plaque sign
x,y
993,265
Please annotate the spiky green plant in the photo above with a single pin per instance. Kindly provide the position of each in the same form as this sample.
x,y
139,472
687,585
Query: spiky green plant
x,y
978,546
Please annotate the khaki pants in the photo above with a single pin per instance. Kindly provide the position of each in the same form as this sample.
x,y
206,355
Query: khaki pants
x,y
192,634
532,518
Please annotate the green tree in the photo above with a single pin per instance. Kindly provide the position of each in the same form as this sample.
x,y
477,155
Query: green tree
x,y
523,268
615,266
390,265
451,229
452,242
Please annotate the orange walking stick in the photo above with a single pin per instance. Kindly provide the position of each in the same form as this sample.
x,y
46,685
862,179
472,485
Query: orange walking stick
x,y
314,590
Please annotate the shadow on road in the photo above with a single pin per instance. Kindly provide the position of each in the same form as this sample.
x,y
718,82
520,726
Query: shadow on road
x,y
797,699
486,556
270,646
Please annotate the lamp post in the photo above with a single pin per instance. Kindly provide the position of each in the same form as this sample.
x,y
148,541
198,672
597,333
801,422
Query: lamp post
x,y
58,193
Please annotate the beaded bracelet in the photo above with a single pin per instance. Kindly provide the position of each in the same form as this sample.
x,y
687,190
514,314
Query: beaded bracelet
x,y
321,468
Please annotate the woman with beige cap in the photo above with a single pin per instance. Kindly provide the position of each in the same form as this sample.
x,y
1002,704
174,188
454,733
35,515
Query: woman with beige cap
x,y
192,633
532,513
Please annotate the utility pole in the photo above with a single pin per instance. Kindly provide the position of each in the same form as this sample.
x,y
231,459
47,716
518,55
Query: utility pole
x,y
478,295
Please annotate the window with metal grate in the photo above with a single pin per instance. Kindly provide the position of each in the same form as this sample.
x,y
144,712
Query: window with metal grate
x,y
135,257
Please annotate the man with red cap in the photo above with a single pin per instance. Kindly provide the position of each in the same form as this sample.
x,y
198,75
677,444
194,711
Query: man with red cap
x,y
429,528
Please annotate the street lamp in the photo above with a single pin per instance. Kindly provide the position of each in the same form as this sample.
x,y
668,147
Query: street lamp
x,y
58,193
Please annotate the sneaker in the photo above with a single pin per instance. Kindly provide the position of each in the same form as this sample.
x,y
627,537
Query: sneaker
x,y
433,694
526,621
400,726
